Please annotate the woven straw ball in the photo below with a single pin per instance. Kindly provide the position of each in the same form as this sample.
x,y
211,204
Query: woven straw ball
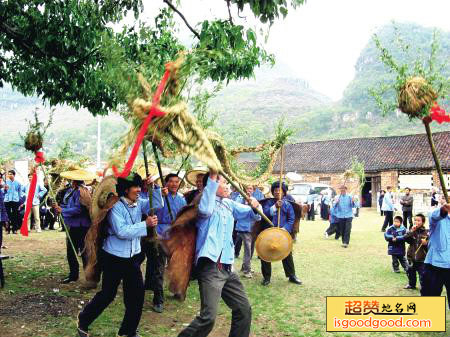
x,y
415,95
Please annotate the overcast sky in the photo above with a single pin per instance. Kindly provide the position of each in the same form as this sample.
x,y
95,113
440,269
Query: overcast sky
x,y
321,40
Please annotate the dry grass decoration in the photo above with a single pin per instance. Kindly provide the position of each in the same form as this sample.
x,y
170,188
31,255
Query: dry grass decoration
x,y
178,129
415,96
418,86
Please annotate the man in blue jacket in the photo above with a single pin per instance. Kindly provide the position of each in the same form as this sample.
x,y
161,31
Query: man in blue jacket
x,y
437,262
244,232
287,220
120,257
13,195
156,258
214,256
343,211
388,209
38,195
76,218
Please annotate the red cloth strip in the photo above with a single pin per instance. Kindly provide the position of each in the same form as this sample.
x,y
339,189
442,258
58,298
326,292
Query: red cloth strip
x,y
439,115
39,158
154,112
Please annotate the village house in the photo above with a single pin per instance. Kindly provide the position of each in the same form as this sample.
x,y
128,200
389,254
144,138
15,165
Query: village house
x,y
400,162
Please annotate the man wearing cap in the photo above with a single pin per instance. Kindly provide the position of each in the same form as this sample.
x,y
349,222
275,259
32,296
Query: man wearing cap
x,y
12,201
77,219
38,195
194,177
287,219
120,256
343,211
214,256
156,258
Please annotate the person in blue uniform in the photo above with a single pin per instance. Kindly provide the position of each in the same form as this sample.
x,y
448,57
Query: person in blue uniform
x,y
244,233
3,214
437,261
156,258
287,219
77,220
120,257
343,211
39,193
214,256
12,201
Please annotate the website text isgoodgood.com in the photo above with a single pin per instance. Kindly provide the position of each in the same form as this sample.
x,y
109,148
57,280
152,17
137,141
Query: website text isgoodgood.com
x,y
375,324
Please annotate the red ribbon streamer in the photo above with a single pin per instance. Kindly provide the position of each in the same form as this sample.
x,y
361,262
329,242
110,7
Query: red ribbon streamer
x,y
439,115
154,112
39,158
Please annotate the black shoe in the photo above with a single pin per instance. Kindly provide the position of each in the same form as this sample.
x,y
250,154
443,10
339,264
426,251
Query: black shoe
x,y
159,308
295,279
265,282
397,271
68,280
82,333
409,287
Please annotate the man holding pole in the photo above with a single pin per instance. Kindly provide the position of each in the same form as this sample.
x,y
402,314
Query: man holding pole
x,y
156,258
214,258
76,218
281,212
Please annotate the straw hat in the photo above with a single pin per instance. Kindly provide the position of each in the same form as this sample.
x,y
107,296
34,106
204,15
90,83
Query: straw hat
x,y
105,196
191,176
152,170
273,244
78,174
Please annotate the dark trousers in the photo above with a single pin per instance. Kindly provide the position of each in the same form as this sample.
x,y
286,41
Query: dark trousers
x,y
408,216
214,283
2,223
247,242
345,229
154,272
116,269
288,266
311,213
77,234
434,279
333,229
388,219
237,240
396,259
413,268
12,208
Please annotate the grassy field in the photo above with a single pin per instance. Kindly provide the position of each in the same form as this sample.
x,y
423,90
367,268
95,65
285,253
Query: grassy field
x,y
33,303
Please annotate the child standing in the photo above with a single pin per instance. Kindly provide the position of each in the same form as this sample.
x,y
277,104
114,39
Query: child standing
x,y
417,251
395,236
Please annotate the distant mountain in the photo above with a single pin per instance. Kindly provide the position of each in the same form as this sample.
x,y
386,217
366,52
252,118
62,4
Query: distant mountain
x,y
370,72
248,110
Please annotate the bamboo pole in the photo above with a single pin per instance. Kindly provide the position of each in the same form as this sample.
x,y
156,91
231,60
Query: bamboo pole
x,y
59,215
246,197
436,159
281,183
158,163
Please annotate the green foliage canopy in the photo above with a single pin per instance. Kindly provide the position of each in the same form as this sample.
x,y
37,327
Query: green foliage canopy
x,y
66,51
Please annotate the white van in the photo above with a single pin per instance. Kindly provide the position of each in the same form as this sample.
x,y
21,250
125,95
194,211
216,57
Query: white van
x,y
300,191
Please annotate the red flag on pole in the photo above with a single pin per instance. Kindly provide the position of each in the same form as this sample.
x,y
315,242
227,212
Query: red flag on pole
x,y
39,158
